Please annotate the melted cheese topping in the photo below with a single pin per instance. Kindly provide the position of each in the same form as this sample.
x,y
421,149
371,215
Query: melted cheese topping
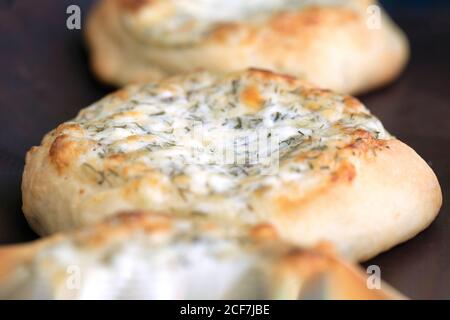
x,y
203,138
186,22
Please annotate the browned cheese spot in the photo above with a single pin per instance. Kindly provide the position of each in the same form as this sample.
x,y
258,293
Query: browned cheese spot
x,y
251,97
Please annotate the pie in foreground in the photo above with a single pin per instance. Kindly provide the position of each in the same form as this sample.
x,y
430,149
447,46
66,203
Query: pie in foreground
x,y
248,147
148,256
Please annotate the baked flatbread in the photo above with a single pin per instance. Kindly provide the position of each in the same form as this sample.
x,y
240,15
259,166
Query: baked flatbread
x,y
348,46
145,256
248,147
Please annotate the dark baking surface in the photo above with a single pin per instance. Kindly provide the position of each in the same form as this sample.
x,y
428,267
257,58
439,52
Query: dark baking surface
x,y
45,80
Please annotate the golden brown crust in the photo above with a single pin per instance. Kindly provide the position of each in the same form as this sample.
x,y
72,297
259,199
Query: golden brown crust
x,y
64,150
330,46
134,5
251,97
389,196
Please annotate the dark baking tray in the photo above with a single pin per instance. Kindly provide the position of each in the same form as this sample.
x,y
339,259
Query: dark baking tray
x,y
45,79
